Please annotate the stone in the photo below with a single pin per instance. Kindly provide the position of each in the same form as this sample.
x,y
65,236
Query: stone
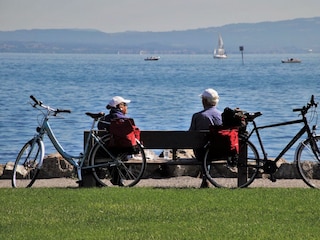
x,y
54,166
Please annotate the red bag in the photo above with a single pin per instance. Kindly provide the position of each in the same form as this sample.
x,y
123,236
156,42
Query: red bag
x,y
123,133
224,141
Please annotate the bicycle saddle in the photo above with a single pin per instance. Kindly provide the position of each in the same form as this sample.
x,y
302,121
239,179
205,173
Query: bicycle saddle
x,y
95,115
252,116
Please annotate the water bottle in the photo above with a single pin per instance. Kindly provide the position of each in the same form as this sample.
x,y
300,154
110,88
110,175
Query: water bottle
x,y
166,153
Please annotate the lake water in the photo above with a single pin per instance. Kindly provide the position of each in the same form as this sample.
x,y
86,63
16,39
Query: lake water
x,y
164,93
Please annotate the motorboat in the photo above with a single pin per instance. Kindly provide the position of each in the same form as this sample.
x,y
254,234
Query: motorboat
x,y
152,58
291,60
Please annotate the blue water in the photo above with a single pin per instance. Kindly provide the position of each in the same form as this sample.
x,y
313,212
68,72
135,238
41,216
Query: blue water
x,y
164,93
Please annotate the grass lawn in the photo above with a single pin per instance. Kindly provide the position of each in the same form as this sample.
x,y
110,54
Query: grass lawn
x,y
158,213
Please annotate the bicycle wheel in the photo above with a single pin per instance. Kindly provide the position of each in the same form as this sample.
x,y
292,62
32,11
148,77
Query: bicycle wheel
x,y
27,164
230,172
307,163
120,167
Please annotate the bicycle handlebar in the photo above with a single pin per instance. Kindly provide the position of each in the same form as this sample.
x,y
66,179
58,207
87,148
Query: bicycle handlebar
x,y
63,111
39,103
35,101
305,109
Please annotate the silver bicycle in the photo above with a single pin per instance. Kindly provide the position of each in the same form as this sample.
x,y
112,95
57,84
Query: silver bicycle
x,y
124,167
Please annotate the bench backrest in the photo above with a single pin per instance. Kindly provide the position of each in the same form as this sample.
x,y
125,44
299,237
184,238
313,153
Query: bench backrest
x,y
169,139
173,139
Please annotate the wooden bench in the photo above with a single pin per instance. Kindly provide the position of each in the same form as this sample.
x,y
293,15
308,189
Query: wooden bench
x,y
173,140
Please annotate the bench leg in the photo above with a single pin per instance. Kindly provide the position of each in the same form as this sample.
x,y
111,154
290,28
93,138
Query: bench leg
x,y
88,179
242,170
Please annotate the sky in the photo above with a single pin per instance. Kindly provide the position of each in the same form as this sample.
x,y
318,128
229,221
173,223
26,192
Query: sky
x,y
147,15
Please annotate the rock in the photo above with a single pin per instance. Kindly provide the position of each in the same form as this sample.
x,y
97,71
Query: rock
x,y
54,166
184,170
163,170
288,171
181,170
7,170
2,169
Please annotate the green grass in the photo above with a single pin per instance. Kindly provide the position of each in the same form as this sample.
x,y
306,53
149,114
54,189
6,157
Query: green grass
x,y
148,213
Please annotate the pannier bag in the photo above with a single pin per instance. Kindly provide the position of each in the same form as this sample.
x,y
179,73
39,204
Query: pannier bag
x,y
234,118
224,141
123,133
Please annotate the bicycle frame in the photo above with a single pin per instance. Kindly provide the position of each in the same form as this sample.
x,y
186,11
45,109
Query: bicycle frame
x,y
76,161
300,133
46,126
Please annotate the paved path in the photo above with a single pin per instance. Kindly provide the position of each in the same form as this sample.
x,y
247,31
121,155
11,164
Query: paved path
x,y
179,182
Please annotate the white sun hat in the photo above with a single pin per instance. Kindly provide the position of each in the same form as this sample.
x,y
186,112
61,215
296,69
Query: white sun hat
x,y
117,100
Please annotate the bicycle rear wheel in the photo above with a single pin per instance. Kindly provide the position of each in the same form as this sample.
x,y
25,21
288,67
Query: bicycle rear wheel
x,y
227,172
308,163
27,164
121,167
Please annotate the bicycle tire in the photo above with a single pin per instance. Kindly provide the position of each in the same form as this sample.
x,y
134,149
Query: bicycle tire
x,y
117,168
27,165
224,172
307,163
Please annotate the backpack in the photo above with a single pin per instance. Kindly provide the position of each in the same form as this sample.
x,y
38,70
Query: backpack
x,y
225,138
234,118
123,134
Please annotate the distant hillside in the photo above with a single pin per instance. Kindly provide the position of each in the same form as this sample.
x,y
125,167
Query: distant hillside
x,y
290,36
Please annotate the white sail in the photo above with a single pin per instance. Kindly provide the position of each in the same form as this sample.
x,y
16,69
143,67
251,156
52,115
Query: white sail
x,y
219,52
220,42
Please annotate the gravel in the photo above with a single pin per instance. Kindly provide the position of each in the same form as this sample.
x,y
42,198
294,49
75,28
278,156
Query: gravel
x,y
176,182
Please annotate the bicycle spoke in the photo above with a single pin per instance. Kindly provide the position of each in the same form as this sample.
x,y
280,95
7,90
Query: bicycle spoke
x,y
119,168
308,163
26,169
228,172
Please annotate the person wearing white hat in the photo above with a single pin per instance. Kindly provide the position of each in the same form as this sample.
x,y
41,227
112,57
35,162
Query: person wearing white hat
x,y
210,115
118,107
116,101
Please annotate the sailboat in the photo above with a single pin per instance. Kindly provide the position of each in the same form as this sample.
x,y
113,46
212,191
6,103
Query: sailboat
x,y
219,52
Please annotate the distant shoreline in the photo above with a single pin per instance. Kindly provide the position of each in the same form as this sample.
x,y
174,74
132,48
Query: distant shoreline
x,y
262,37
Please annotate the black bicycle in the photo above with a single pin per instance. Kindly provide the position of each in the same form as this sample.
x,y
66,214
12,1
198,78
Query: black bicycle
x,y
239,172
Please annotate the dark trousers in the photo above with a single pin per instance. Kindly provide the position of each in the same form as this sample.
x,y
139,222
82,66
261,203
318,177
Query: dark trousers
x,y
199,154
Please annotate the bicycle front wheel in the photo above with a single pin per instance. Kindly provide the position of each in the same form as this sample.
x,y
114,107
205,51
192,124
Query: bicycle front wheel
x,y
229,172
307,160
27,164
120,167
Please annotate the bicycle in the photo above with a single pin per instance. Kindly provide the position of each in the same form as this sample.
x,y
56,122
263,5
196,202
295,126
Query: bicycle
x,y
123,168
240,171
